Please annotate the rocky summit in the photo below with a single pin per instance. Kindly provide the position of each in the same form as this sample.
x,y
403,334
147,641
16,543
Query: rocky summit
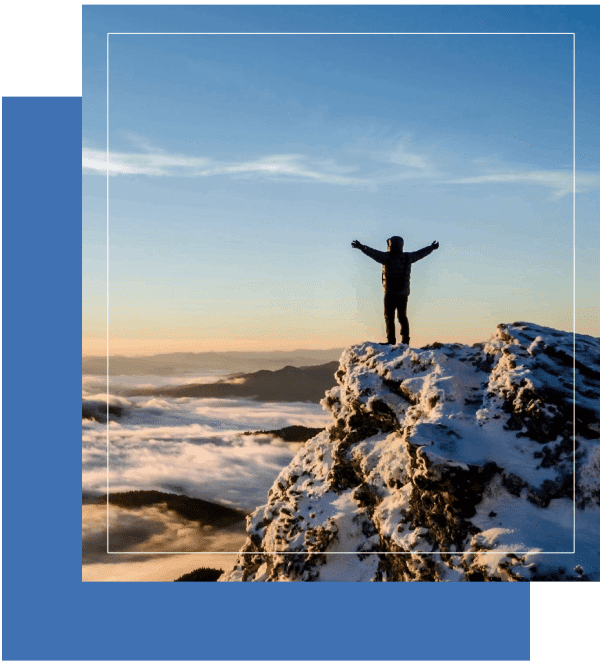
x,y
445,463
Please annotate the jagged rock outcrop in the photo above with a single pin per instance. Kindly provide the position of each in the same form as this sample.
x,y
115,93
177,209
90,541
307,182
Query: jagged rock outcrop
x,y
446,463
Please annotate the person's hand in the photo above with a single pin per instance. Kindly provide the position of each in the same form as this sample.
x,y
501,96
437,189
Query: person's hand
x,y
435,245
356,244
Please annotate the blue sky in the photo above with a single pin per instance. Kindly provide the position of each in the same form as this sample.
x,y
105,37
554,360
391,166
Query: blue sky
x,y
244,165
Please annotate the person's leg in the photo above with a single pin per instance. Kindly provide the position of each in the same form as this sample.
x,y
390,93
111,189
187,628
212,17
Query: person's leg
x,y
389,306
402,304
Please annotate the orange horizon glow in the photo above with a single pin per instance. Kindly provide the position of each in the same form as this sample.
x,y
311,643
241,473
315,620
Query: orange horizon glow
x,y
453,332
150,347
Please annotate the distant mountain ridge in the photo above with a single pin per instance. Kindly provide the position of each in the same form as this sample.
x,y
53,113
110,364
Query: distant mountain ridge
x,y
179,363
289,384
293,433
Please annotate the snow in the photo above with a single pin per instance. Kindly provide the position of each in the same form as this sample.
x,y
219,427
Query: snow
x,y
446,463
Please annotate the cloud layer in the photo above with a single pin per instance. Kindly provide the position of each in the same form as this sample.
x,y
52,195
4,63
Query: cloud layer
x,y
193,446
294,166
136,535
562,182
365,167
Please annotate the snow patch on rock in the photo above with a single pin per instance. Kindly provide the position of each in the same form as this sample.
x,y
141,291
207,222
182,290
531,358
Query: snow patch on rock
x,y
446,463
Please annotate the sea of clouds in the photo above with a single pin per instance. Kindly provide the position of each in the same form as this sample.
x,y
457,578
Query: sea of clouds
x,y
191,446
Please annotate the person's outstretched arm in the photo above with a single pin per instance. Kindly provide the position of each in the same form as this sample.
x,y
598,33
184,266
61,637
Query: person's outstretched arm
x,y
378,256
423,252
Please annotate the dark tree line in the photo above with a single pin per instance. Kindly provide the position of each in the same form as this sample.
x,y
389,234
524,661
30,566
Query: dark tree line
x,y
201,575
196,510
291,433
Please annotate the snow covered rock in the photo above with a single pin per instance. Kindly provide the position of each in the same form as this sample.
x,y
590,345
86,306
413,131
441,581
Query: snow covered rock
x,y
446,463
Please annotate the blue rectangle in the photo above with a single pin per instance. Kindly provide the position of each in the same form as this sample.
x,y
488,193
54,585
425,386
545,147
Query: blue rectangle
x,y
48,612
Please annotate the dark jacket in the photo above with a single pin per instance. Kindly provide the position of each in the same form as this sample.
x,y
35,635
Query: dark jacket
x,y
396,267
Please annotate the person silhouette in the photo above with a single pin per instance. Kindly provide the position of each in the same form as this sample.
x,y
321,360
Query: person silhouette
x,y
396,281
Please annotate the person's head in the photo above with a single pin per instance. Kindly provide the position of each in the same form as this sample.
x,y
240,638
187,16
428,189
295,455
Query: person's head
x,y
395,244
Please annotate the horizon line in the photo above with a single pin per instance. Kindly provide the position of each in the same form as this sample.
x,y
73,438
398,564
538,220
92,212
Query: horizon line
x,y
226,351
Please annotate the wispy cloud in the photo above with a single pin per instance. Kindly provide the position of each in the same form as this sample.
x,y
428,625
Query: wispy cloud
x,y
562,182
159,164
400,155
366,165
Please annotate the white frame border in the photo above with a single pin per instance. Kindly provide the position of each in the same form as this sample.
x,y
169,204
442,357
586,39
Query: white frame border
x,y
500,552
